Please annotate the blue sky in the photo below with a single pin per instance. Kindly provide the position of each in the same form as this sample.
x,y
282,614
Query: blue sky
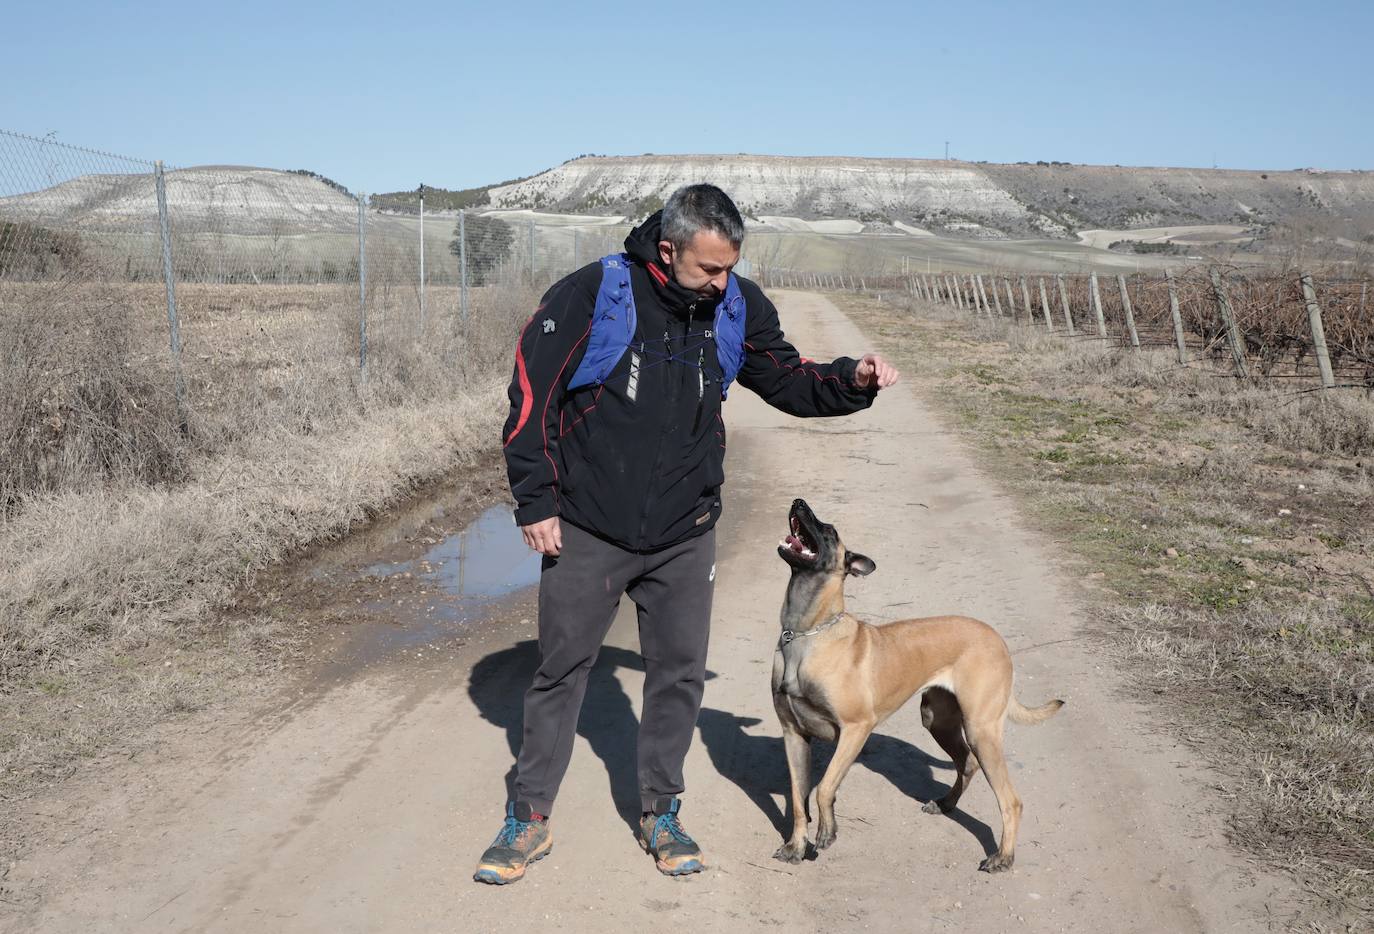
x,y
382,97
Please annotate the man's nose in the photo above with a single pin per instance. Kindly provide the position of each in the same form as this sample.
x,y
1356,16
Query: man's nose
x,y
720,282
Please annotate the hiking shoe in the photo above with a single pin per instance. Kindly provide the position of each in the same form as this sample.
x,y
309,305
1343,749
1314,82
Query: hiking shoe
x,y
675,853
519,843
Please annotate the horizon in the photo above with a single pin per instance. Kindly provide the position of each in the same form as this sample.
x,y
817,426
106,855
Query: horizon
x,y
1320,170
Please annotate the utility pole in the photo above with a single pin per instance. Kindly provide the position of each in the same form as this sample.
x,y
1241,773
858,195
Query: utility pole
x,y
421,191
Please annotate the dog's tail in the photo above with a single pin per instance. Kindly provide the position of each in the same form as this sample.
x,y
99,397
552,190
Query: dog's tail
x,y
1032,715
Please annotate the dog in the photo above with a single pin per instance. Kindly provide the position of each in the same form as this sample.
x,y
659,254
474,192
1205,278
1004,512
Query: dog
x,y
836,678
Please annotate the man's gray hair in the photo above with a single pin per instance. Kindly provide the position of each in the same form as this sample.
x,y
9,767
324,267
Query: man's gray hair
x,y
693,208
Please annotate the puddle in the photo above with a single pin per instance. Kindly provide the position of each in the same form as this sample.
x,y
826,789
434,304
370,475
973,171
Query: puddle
x,y
425,602
486,560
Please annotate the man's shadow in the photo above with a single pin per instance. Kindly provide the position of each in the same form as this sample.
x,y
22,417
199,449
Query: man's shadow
x,y
498,683
758,765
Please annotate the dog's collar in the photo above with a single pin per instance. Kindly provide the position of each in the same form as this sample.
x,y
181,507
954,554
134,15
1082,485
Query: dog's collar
x,y
789,634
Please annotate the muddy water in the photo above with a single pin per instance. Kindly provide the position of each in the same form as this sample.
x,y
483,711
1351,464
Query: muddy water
x,y
414,584
461,577
486,559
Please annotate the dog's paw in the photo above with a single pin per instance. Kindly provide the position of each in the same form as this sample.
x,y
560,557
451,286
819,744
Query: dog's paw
x,y
997,862
935,807
789,853
825,836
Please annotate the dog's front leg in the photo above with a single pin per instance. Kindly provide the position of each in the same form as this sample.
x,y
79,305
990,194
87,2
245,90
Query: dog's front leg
x,y
799,767
852,739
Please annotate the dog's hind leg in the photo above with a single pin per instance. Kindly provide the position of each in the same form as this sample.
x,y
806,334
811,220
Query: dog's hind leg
x,y
799,767
851,743
940,713
986,740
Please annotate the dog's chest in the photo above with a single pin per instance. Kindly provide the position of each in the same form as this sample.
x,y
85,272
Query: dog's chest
x,y
804,701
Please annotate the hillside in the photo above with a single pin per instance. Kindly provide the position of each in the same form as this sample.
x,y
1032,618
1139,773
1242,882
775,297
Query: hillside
x,y
957,201
220,199
963,198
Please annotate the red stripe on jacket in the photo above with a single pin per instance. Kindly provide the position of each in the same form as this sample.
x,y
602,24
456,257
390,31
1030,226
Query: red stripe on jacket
x,y
795,369
526,399
553,387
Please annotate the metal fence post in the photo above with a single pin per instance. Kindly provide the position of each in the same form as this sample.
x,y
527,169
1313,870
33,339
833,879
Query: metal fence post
x,y
531,252
422,259
577,249
169,278
463,267
362,284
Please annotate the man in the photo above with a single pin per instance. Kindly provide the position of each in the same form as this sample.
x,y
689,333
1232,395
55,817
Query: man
x,y
615,450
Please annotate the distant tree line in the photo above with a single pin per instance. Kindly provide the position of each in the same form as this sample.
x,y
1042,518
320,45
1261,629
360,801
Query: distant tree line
x,y
320,178
441,199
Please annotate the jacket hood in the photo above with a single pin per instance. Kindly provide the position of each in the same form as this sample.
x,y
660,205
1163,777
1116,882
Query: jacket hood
x,y
642,243
642,247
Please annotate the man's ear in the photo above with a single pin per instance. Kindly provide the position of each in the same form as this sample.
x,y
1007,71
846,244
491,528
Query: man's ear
x,y
665,252
858,565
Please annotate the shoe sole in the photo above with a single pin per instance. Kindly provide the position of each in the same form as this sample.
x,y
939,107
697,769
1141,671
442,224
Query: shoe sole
x,y
492,876
685,869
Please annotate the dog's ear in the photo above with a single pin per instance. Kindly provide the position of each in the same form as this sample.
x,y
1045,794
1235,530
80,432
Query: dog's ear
x,y
858,565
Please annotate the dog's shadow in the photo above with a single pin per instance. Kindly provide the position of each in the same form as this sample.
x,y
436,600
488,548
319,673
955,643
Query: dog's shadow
x,y
758,765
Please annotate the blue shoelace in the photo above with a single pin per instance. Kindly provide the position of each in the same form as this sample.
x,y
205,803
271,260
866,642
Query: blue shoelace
x,y
511,831
669,822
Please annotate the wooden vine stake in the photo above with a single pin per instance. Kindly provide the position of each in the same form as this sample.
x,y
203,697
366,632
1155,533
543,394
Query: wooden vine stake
x,y
1314,318
1228,319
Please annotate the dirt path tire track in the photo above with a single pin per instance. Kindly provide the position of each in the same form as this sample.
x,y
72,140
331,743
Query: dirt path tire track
x,y
364,808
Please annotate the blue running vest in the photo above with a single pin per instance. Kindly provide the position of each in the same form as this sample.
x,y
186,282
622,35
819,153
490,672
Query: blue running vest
x,y
613,327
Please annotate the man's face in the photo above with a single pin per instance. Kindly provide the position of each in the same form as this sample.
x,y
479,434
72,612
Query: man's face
x,y
703,265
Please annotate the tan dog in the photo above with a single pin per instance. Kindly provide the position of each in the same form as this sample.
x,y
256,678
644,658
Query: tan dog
x,y
836,678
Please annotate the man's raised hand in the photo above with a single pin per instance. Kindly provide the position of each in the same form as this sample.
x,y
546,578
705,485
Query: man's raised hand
x,y
874,370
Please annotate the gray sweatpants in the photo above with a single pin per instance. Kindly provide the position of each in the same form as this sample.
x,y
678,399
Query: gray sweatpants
x,y
579,592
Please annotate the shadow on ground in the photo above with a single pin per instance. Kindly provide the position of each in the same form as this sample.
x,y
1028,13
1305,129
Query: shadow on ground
x,y
756,764
497,686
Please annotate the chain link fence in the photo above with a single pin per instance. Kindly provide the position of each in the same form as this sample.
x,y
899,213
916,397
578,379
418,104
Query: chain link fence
x,y
149,312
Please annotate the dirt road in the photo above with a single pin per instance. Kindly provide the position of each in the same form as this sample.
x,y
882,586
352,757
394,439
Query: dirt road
x,y
362,806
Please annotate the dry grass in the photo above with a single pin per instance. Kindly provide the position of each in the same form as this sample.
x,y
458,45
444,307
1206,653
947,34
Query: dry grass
x,y
123,532
1229,532
76,406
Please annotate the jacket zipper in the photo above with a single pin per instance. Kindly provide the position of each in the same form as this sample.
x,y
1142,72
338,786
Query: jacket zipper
x,y
671,397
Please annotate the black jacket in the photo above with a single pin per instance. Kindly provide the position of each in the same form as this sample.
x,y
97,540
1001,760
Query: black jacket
x,y
641,466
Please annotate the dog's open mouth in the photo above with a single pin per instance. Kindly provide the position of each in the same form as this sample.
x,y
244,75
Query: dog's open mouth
x,y
797,544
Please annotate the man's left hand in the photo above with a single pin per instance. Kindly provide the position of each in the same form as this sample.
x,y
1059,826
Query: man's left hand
x,y
873,370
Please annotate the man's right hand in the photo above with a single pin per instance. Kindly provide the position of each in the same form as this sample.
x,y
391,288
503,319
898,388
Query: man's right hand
x,y
545,537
